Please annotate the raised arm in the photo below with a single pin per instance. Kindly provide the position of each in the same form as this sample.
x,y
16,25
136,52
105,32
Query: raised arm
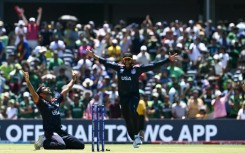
x,y
39,16
35,96
69,85
23,16
107,64
154,65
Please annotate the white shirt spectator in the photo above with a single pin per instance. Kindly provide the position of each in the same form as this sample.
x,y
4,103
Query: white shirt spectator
x,y
143,57
99,47
218,67
179,110
58,45
195,51
224,57
20,30
12,113
87,63
241,114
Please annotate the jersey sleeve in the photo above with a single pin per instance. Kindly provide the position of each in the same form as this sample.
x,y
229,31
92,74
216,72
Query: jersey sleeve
x,y
109,64
59,97
149,67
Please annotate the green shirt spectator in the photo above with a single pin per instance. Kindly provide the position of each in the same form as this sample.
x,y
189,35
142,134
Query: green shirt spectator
x,y
55,61
174,70
7,68
235,103
155,107
64,111
34,79
77,107
26,108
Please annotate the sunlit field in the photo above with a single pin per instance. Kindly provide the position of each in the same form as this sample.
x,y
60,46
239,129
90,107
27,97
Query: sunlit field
x,y
127,148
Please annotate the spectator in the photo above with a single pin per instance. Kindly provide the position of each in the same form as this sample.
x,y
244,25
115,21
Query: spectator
x,y
166,108
219,104
32,28
194,104
12,111
126,41
235,103
202,114
179,108
155,108
70,35
46,34
100,45
115,110
143,57
88,112
55,61
137,41
61,79
87,97
114,51
241,112
81,54
4,38
64,111
27,107
20,29
22,49
77,108
58,45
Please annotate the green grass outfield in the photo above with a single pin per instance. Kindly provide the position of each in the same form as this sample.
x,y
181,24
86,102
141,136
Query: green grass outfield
x,y
126,148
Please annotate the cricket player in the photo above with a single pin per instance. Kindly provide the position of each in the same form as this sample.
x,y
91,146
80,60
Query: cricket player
x,y
54,137
128,88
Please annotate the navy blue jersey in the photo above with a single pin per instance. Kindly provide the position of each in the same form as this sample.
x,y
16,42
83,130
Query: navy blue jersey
x,y
128,79
50,113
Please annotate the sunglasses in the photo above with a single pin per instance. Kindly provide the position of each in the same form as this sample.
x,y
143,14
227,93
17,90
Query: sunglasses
x,y
127,59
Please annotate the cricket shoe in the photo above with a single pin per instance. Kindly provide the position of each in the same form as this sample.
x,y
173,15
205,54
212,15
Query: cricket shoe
x,y
39,143
138,140
135,144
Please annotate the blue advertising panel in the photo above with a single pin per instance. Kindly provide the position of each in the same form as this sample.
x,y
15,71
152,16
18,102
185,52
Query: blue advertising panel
x,y
27,131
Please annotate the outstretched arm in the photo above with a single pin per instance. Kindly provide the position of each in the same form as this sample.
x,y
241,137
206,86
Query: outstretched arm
x,y
40,10
69,85
154,65
23,16
35,96
108,64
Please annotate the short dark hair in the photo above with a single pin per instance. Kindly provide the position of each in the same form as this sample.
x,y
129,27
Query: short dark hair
x,y
39,90
129,55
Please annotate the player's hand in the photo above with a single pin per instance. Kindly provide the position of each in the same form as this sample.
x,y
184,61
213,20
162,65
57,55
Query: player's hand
x,y
173,57
26,75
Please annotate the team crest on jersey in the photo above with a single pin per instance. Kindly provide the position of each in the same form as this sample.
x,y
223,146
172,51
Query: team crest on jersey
x,y
121,70
133,71
56,112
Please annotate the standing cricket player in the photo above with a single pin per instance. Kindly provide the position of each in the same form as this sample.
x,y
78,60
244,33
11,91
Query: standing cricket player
x,y
128,88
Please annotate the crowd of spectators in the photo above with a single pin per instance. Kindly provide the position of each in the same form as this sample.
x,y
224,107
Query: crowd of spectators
x,y
202,84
